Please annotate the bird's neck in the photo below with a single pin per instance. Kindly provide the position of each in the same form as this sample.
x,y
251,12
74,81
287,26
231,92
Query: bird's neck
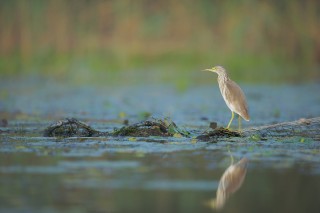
x,y
223,77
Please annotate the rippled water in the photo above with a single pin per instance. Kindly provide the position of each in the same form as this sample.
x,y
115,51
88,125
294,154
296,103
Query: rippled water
x,y
153,174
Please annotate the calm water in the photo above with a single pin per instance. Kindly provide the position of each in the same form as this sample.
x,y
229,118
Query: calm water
x,y
165,175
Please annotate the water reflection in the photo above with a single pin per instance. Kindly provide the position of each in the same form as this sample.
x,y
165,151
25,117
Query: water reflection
x,y
229,183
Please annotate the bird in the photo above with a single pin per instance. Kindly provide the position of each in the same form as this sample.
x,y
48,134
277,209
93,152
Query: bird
x,y
232,95
231,180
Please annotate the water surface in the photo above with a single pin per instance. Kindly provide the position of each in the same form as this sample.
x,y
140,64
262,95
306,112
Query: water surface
x,y
124,174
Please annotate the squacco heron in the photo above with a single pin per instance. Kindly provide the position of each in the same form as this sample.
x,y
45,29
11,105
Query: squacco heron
x,y
229,183
232,95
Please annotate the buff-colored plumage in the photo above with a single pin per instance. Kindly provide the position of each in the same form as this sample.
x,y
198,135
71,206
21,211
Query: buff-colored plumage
x,y
231,180
232,94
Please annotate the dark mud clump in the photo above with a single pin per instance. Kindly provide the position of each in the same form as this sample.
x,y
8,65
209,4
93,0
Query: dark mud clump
x,y
70,127
3,122
154,127
218,133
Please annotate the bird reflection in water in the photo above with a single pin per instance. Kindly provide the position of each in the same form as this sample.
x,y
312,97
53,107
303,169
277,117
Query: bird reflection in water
x,y
229,183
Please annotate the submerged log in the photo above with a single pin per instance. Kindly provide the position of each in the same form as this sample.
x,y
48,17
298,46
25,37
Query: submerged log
x,y
309,128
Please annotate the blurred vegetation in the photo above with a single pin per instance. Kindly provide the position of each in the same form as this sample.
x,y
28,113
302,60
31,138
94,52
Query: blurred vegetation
x,y
257,40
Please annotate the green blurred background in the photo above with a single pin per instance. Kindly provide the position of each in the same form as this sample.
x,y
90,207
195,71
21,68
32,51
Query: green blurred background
x,y
160,40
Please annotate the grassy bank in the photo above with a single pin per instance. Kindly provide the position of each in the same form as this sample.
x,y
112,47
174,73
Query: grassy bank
x,y
258,41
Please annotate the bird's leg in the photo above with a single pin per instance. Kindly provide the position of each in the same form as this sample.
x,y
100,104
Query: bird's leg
x,y
231,156
239,123
230,120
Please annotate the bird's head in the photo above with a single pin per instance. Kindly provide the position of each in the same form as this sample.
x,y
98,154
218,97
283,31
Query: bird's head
x,y
217,69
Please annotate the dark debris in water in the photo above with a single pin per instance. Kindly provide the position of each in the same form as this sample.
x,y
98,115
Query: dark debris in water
x,y
218,133
70,127
213,125
3,122
153,127
144,129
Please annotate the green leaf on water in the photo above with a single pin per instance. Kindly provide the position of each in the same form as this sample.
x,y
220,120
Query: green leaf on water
x,y
122,115
20,147
255,138
132,139
177,135
174,129
194,140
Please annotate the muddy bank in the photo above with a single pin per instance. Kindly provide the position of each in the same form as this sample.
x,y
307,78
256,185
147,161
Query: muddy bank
x,y
72,127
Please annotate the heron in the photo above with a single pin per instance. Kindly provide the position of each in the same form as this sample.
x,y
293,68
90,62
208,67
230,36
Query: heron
x,y
231,180
232,95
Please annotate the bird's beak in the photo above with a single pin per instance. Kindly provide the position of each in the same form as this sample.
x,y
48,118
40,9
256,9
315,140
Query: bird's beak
x,y
210,70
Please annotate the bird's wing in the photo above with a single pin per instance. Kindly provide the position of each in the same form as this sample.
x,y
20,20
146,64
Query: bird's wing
x,y
236,99
231,181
